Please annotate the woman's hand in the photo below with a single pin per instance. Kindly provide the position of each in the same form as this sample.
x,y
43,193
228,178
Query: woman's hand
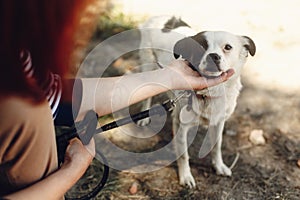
x,y
106,95
79,156
183,77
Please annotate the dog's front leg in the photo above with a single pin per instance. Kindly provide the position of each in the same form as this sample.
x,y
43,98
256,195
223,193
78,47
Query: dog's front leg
x,y
184,171
217,160
146,105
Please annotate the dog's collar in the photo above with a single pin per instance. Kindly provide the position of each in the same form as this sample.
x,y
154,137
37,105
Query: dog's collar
x,y
205,95
202,96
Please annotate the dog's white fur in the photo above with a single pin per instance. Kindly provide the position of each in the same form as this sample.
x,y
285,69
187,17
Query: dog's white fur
x,y
222,99
157,47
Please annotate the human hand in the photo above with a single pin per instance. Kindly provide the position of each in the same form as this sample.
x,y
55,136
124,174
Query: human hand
x,y
79,156
183,77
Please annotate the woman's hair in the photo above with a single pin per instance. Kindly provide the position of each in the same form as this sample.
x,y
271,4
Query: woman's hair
x,y
46,29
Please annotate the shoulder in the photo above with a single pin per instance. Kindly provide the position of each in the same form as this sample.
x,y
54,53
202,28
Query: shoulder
x,y
18,108
24,123
20,114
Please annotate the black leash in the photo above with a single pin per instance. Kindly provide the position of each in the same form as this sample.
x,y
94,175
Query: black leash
x,y
87,128
82,130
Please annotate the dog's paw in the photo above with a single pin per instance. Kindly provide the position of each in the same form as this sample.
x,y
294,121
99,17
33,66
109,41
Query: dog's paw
x,y
187,179
222,169
143,122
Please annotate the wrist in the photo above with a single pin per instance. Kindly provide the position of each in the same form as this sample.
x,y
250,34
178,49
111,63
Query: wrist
x,y
173,79
71,172
165,78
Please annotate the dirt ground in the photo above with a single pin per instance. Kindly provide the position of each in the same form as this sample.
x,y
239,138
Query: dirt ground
x,y
268,171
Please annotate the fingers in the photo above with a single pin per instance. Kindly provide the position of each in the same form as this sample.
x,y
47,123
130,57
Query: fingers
x,y
78,157
190,79
230,72
77,149
224,76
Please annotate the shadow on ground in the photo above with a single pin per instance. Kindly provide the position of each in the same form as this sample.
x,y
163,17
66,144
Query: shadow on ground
x,y
268,171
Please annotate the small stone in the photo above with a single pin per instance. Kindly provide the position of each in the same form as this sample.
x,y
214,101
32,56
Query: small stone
x,y
298,163
134,188
205,174
256,137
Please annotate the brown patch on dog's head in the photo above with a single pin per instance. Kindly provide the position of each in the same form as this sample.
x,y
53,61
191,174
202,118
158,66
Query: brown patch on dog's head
x,y
190,50
200,38
173,23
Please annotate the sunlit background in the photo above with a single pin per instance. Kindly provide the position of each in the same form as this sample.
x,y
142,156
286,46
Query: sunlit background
x,y
272,24
269,102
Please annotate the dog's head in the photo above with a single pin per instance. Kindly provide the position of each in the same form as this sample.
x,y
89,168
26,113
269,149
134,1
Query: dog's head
x,y
213,52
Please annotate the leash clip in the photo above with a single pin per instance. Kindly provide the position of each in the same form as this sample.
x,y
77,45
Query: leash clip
x,y
170,104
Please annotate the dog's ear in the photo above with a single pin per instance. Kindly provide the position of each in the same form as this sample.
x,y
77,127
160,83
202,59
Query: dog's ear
x,y
190,50
250,45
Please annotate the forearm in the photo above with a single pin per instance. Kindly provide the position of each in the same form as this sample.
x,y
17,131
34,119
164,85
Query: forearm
x,y
52,187
77,159
106,95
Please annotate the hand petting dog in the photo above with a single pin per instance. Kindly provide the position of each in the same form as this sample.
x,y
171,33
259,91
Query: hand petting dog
x,y
192,77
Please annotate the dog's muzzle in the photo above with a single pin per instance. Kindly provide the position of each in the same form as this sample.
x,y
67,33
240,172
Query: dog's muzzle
x,y
211,67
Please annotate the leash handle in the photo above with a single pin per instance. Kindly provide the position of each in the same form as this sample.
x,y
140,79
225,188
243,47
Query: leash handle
x,y
62,142
83,130
87,127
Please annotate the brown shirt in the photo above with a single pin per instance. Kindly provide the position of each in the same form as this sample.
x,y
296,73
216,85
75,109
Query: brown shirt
x,y
27,143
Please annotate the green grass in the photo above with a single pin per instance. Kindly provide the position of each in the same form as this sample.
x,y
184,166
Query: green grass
x,y
112,23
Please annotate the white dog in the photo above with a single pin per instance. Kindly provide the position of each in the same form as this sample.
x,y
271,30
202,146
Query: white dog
x,y
210,53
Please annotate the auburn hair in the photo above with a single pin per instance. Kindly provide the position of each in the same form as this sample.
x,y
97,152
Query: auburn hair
x,y
46,28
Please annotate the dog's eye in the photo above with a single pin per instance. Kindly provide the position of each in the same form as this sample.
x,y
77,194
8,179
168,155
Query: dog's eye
x,y
228,47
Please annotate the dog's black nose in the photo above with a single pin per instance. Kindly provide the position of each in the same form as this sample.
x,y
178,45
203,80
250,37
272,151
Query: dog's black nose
x,y
213,62
215,57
